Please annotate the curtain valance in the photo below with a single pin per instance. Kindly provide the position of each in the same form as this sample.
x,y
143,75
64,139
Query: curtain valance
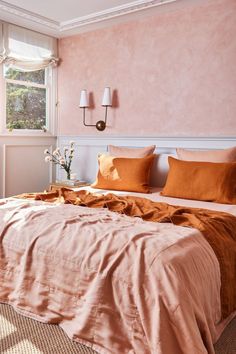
x,y
25,49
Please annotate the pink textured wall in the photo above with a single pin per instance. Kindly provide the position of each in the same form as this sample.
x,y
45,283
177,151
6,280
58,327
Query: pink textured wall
x,y
173,74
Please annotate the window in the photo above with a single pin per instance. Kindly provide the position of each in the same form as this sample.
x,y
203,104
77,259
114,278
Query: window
x,y
27,79
26,99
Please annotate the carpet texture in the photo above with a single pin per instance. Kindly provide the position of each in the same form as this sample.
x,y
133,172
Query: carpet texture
x,y
21,335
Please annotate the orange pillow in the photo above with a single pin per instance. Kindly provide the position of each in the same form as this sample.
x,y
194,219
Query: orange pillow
x,y
208,181
120,151
126,174
226,155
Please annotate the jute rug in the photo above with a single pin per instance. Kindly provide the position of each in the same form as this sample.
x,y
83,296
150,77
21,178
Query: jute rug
x,y
21,335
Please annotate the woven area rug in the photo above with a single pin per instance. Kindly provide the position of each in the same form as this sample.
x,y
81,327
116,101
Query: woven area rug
x,y
21,335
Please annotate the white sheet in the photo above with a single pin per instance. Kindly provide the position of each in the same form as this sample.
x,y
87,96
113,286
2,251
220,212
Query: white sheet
x,y
155,196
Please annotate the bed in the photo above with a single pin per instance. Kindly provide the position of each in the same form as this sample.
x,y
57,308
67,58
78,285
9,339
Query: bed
x,y
113,282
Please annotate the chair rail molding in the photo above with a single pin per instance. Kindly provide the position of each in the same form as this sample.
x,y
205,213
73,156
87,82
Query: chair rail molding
x,y
160,142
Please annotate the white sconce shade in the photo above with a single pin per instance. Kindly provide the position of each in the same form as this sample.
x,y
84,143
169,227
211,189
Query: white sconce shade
x,y
83,99
106,101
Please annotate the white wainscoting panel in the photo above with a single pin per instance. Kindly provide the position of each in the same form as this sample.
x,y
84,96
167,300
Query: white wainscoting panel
x,y
87,149
23,166
25,169
85,162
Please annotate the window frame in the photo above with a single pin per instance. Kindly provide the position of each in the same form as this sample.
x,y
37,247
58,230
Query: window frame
x,y
51,104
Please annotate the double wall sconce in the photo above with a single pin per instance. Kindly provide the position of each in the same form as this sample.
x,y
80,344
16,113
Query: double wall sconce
x,y
106,102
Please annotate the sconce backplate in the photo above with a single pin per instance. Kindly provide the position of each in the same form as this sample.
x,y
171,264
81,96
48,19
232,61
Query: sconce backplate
x,y
100,125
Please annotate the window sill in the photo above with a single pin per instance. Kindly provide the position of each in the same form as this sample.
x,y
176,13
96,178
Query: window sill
x,y
27,133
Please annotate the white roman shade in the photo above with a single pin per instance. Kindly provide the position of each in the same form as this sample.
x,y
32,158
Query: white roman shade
x,y
27,50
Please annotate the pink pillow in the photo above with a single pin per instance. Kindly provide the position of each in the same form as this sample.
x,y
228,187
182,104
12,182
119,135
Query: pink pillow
x,y
118,151
227,155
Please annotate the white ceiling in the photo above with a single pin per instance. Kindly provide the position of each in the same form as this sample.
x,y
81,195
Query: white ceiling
x,y
62,18
66,10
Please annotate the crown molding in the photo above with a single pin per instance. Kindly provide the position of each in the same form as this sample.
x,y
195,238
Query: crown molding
x,y
27,15
15,14
111,13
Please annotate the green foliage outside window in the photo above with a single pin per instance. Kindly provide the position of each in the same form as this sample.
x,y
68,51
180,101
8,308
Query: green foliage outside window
x,y
25,105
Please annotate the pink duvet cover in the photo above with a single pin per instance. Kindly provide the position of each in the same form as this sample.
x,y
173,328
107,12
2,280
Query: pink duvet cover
x,y
117,284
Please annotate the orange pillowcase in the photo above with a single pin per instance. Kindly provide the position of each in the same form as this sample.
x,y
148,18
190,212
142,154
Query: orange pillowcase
x,y
208,181
126,174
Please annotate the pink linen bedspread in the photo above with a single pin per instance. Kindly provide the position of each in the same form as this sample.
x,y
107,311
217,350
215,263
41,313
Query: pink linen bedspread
x,y
115,283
